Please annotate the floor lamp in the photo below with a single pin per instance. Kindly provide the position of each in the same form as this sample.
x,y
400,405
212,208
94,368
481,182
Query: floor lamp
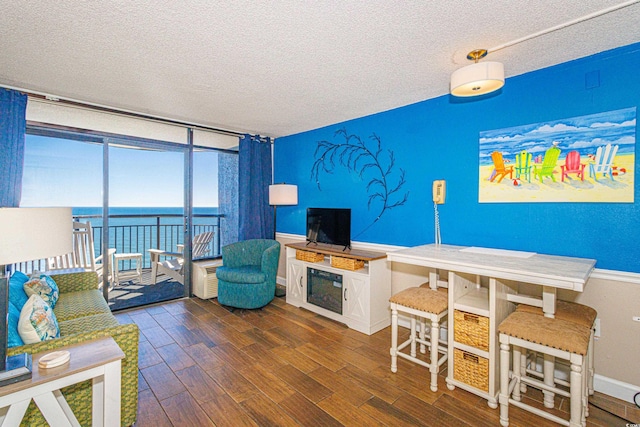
x,y
281,195
27,234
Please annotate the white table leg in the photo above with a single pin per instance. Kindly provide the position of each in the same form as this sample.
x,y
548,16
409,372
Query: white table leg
x,y
433,280
65,408
98,405
106,396
52,411
549,301
13,414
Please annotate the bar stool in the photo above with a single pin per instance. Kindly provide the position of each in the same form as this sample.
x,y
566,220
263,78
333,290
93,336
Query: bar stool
x,y
573,312
556,338
421,304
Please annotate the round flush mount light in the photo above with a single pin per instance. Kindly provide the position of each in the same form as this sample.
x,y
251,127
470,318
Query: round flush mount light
x,y
478,78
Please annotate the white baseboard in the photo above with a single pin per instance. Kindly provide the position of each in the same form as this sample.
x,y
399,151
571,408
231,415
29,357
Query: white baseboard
x,y
614,388
605,385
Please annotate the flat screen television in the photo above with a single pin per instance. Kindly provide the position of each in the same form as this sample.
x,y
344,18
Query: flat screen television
x,y
329,225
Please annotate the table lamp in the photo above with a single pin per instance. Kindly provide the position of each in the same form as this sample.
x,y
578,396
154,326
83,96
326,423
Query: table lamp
x,y
27,234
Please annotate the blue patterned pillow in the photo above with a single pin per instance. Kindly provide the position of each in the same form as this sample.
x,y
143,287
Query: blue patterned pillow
x,y
13,337
16,289
43,285
37,321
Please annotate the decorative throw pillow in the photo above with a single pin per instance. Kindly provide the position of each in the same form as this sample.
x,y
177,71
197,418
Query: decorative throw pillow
x,y
16,289
43,285
37,321
13,337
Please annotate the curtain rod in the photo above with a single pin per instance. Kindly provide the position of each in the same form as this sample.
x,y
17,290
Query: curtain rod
x,y
99,107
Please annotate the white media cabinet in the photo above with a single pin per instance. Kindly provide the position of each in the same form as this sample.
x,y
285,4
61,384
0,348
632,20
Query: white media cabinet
x,y
365,292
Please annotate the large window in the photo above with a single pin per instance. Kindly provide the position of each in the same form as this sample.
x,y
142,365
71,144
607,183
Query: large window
x,y
61,172
148,199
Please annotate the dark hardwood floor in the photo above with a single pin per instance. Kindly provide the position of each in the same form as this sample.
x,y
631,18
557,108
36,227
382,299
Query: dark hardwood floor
x,y
202,365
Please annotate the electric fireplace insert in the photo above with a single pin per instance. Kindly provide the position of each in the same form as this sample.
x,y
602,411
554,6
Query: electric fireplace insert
x,y
324,289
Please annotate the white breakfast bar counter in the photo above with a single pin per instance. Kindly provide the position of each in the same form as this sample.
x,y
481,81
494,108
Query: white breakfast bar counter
x,y
492,298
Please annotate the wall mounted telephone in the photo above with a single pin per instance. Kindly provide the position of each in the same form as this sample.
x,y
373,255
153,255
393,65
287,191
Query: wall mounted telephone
x,y
439,191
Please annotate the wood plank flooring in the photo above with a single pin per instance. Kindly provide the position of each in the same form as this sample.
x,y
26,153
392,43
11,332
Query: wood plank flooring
x,y
202,365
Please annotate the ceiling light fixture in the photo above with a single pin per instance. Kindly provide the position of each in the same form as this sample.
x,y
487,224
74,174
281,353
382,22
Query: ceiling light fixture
x,y
485,77
479,78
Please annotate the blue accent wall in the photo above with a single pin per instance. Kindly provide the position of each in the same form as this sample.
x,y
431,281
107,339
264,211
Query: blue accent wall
x,y
438,139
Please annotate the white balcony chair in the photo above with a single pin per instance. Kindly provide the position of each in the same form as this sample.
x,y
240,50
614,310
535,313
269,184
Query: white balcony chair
x,y
174,266
83,255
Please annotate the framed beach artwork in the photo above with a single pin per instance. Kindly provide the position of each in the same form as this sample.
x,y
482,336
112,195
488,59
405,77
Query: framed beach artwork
x,y
580,159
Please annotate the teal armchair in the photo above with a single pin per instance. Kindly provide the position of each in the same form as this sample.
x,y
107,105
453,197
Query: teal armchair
x,y
247,278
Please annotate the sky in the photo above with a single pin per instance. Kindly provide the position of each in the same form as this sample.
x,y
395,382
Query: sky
x,y
60,172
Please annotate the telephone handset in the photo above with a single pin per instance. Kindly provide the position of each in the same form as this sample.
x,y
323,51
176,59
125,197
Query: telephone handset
x,y
439,191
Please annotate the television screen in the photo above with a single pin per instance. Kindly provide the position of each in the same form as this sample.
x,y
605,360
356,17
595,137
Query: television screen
x,y
329,225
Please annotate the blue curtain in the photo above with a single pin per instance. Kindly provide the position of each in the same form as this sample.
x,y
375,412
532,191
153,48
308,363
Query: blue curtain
x,y
255,216
13,127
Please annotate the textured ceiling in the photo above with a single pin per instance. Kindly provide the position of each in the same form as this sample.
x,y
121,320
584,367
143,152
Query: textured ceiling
x,y
282,67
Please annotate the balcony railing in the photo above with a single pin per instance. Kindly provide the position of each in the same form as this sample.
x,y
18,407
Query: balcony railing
x,y
141,232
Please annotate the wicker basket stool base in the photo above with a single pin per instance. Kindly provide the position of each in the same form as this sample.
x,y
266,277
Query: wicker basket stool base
x,y
421,304
522,331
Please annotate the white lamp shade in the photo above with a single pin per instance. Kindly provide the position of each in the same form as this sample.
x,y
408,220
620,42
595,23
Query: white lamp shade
x,y
283,194
28,234
477,79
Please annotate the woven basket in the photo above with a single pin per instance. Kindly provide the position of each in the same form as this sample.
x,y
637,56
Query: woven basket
x,y
471,329
309,256
346,263
471,369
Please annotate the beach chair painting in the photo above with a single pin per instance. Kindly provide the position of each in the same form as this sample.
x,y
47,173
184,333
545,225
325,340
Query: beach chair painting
x,y
548,164
588,158
500,170
572,165
603,161
523,165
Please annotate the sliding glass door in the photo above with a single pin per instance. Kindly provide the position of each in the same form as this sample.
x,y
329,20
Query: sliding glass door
x,y
151,205
148,222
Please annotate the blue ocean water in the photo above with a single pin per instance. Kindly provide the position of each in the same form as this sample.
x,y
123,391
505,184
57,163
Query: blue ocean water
x,y
140,215
138,229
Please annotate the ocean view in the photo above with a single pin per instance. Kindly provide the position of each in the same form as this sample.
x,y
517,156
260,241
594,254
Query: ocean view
x,y
95,213
138,229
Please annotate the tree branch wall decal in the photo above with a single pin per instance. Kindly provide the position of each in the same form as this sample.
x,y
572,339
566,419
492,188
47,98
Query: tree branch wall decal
x,y
355,155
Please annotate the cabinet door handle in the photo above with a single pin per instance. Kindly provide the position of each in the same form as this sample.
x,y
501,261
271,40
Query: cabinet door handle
x,y
300,281
345,294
